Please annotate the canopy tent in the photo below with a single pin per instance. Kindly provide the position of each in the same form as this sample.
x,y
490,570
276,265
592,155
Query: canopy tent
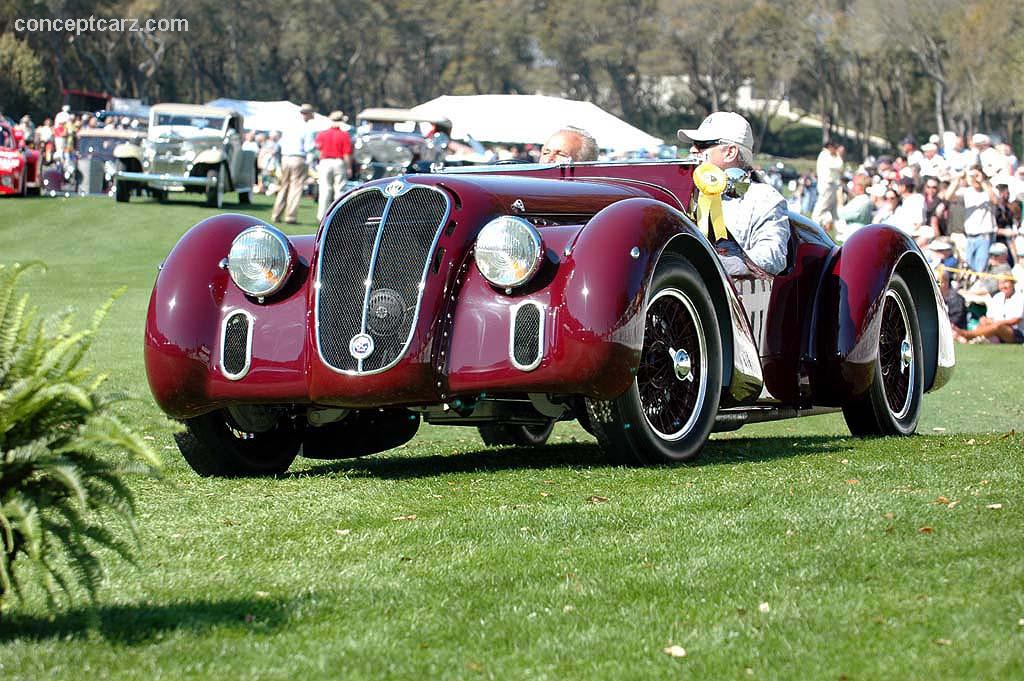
x,y
530,119
268,115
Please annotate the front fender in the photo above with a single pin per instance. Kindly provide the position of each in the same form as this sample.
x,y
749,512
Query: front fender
x,y
594,305
849,310
211,157
192,296
128,150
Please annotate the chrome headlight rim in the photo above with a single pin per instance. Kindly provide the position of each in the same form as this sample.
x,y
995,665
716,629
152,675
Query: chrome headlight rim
x,y
287,250
534,263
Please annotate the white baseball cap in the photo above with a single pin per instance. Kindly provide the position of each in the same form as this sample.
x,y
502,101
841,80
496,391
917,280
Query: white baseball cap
x,y
726,126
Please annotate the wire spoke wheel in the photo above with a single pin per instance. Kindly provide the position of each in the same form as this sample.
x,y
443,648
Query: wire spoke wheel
x,y
896,355
668,412
672,377
892,403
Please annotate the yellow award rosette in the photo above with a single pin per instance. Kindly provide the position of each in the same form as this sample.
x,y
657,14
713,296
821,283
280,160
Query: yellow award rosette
x,y
711,181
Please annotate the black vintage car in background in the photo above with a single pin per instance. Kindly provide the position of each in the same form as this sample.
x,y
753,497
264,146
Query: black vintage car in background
x,y
395,141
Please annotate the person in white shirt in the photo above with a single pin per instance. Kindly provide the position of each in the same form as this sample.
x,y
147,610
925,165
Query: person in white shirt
x,y
979,223
909,215
931,164
829,169
1002,324
298,143
757,220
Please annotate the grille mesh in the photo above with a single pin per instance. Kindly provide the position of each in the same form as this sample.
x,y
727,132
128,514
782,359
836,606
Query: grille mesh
x,y
408,230
344,262
526,341
235,353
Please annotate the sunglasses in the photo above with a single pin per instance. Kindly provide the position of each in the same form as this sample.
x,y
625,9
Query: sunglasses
x,y
708,144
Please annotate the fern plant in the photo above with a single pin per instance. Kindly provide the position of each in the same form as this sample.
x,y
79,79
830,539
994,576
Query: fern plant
x,y
63,452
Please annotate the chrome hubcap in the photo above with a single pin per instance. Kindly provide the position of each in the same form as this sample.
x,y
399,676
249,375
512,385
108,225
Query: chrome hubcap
x,y
906,354
681,364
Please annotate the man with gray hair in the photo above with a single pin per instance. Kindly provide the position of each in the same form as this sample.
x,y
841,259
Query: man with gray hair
x,y
757,220
569,145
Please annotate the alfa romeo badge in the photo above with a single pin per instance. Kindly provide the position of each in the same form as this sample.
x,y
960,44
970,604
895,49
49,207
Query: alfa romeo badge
x,y
361,346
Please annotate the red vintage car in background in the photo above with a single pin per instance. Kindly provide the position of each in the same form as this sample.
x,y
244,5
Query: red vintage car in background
x,y
511,297
19,165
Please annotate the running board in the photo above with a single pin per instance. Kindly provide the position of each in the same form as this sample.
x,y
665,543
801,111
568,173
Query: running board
x,y
734,419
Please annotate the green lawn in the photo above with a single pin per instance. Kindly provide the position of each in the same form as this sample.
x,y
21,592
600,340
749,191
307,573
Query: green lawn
x,y
789,551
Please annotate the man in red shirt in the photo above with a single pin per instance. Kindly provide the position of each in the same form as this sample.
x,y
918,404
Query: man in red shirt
x,y
335,162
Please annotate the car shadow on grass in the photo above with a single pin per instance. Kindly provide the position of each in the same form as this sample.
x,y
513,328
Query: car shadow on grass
x,y
572,455
143,623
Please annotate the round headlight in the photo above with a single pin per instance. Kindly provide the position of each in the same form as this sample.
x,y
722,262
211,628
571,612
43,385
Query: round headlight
x,y
508,251
362,155
260,260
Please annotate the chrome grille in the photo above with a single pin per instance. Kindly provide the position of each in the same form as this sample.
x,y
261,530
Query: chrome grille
x,y
235,349
526,336
387,242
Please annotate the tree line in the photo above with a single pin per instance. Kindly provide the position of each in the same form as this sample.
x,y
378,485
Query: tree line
x,y
890,69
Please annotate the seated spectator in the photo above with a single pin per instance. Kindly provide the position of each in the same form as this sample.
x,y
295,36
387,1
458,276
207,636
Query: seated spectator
x,y
1002,324
887,206
998,264
956,306
857,211
909,215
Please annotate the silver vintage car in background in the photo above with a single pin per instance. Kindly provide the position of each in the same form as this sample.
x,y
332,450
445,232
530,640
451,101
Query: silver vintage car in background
x,y
188,148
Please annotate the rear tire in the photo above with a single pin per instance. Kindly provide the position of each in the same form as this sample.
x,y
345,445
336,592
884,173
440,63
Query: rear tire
x,y
215,445
892,405
668,412
499,435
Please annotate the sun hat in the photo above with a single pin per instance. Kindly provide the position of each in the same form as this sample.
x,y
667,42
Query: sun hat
x,y
998,248
307,108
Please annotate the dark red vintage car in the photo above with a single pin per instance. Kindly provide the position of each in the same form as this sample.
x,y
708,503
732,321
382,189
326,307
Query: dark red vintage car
x,y
512,297
19,165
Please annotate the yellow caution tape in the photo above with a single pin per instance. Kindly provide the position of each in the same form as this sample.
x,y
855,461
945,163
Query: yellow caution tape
x,y
711,181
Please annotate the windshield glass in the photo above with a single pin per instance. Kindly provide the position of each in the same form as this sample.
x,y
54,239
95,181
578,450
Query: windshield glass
x,y
192,121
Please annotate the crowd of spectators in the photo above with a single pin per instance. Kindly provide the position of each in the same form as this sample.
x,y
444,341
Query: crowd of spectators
x,y
960,202
56,138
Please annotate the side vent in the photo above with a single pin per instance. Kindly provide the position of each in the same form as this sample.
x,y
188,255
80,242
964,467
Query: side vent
x,y
526,337
236,344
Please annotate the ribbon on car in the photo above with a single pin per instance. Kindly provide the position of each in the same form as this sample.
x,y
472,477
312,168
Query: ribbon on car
x,y
711,181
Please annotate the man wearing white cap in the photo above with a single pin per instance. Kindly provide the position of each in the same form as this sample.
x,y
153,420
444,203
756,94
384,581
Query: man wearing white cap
x,y
757,220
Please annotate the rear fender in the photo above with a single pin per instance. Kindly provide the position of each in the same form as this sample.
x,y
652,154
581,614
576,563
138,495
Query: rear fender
x,y
849,309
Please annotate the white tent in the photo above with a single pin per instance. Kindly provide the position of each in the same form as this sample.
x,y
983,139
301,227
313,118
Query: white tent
x,y
268,115
530,119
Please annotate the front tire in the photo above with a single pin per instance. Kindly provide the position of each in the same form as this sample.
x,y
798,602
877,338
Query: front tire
x,y
122,188
892,404
214,444
668,412
499,435
215,188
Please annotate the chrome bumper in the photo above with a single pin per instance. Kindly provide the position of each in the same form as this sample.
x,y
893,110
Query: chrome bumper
x,y
165,179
